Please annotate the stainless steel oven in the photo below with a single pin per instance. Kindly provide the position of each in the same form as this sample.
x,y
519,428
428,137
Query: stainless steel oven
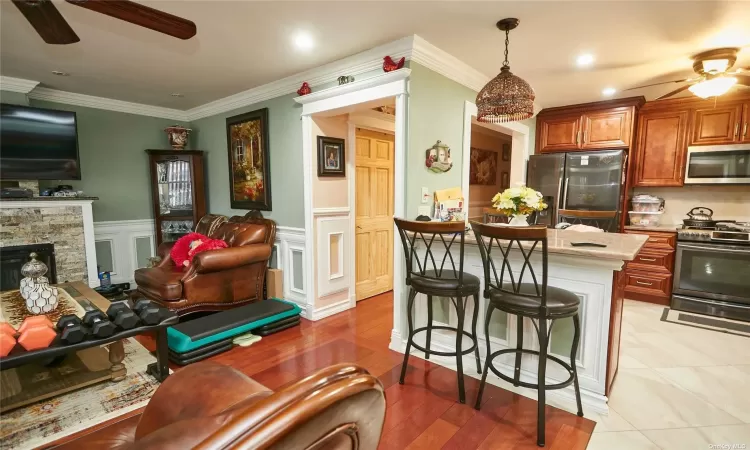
x,y
712,279
718,164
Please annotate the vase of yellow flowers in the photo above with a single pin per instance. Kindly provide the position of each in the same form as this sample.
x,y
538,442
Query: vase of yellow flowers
x,y
518,203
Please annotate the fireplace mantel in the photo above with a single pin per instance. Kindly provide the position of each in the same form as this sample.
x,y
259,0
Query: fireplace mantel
x,y
57,202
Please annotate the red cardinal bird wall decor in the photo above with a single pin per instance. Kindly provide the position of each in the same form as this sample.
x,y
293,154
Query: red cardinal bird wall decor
x,y
304,89
389,65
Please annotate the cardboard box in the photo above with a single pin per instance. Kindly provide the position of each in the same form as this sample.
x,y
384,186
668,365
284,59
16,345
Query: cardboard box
x,y
274,286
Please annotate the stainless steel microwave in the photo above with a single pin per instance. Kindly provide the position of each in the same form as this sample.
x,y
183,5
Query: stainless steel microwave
x,y
718,164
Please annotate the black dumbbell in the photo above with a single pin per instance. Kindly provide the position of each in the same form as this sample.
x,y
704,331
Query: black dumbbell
x,y
122,316
149,313
71,330
97,322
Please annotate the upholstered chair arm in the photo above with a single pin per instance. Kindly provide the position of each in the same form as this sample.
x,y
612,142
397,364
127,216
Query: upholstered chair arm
x,y
230,258
197,391
342,407
163,252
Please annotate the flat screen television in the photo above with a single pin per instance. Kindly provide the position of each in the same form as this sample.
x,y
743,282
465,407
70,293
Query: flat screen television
x,y
38,144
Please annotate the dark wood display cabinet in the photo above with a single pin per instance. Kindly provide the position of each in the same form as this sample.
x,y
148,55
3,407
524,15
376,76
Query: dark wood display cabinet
x,y
178,191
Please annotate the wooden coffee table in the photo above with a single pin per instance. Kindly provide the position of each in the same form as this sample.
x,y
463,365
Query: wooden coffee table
x,y
30,376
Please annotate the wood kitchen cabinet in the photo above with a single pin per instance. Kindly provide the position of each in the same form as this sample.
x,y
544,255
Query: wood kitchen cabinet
x,y
607,129
648,277
717,125
560,133
667,127
661,148
586,127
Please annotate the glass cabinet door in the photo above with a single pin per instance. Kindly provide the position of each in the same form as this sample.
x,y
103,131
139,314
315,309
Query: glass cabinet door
x,y
171,230
174,182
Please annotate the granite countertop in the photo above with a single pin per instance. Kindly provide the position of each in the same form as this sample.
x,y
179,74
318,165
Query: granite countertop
x,y
45,198
667,228
619,246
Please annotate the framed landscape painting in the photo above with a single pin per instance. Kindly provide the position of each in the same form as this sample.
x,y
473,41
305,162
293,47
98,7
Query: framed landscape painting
x,y
249,162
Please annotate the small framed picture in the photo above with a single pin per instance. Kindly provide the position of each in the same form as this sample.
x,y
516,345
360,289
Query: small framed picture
x,y
505,180
506,152
331,158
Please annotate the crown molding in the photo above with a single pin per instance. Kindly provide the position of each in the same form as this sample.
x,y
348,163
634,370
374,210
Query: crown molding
x,y
363,62
447,65
377,80
72,98
17,84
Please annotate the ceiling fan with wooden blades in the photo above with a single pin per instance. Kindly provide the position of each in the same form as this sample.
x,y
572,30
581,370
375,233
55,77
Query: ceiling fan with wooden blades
x,y
714,76
52,27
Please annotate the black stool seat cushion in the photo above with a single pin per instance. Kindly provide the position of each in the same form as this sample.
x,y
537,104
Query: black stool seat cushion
x,y
559,301
448,282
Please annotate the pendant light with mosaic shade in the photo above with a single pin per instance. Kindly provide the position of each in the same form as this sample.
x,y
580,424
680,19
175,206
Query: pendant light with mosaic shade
x,y
507,97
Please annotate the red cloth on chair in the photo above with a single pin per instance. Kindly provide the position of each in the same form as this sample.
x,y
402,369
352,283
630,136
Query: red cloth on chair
x,y
182,251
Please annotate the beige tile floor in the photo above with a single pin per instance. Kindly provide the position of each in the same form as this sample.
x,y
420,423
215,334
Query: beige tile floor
x,y
678,387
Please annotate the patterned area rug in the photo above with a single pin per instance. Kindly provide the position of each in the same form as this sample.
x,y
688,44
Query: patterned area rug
x,y
41,423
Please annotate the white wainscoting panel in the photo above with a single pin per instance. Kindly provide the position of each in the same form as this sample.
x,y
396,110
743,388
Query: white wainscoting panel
x,y
332,263
290,258
122,238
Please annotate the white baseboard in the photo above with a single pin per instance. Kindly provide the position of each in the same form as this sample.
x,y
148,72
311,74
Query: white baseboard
x,y
329,310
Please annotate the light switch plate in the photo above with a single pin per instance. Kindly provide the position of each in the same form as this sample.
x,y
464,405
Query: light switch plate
x,y
425,195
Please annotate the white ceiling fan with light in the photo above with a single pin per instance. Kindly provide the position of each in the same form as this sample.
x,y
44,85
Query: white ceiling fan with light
x,y
715,76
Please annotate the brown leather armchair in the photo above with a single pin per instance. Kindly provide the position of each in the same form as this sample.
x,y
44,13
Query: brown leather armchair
x,y
340,407
216,279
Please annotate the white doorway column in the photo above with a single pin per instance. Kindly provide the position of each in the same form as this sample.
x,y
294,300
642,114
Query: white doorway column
x,y
336,100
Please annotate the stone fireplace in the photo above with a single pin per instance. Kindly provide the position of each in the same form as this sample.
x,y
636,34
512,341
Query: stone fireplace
x,y
65,223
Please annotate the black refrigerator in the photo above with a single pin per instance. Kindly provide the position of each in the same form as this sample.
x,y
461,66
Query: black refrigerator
x,y
579,181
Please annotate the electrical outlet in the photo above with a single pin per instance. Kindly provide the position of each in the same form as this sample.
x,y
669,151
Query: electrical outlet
x,y
424,211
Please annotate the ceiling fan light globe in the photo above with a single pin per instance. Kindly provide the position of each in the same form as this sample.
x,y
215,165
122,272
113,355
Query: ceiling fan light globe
x,y
715,65
713,87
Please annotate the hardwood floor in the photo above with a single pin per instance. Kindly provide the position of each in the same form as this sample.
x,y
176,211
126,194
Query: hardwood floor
x,y
424,412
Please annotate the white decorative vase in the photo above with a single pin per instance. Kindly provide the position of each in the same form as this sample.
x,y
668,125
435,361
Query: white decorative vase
x,y
40,297
519,220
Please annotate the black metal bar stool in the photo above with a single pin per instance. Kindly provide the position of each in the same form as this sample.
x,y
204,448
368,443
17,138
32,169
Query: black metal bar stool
x,y
507,292
443,278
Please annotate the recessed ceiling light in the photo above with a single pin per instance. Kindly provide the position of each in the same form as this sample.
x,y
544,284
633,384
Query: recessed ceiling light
x,y
609,91
177,94
585,59
60,73
303,41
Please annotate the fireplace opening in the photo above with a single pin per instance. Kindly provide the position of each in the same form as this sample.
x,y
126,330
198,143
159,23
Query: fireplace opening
x,y
14,257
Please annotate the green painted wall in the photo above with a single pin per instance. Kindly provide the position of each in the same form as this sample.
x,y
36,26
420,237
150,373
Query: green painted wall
x,y
114,166
14,98
436,111
285,136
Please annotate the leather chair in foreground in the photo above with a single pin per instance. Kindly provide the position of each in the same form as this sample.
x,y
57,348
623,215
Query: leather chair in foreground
x,y
216,279
211,406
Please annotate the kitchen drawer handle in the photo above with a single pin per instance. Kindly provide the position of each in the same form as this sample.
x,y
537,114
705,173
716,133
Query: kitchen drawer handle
x,y
647,259
643,283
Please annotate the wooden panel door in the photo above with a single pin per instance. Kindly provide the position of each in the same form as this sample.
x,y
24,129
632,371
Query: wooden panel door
x,y
745,136
661,150
720,125
559,133
606,129
373,213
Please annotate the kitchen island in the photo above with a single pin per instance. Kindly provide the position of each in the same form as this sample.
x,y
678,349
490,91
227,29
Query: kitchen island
x,y
593,273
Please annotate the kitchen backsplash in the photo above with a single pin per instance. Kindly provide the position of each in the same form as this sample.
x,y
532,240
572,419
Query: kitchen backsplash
x,y
727,202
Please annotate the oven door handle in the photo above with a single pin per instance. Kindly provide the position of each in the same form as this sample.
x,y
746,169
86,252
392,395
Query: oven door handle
x,y
714,249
